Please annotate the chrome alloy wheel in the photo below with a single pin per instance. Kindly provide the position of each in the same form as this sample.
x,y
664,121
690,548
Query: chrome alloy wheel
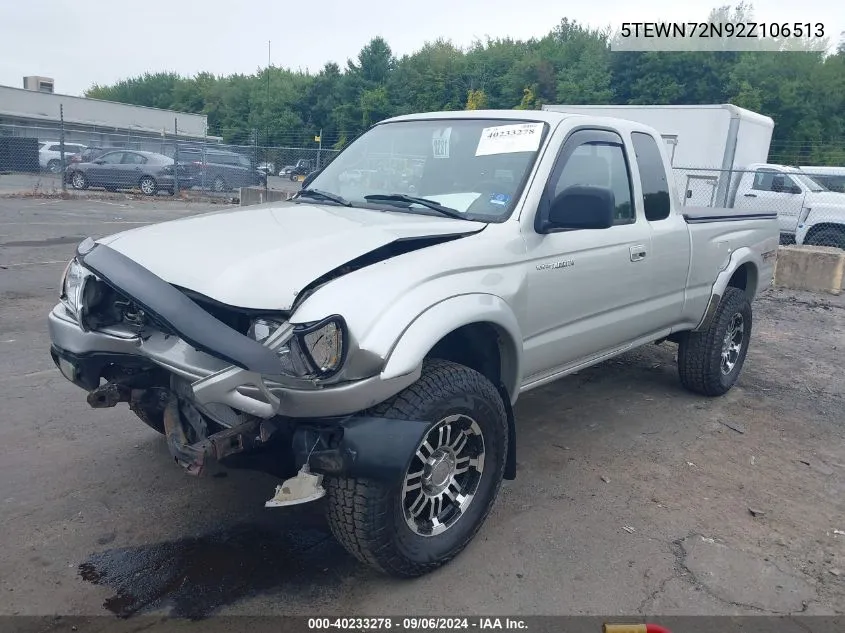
x,y
443,478
732,343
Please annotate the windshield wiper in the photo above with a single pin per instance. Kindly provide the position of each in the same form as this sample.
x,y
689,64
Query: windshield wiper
x,y
323,195
431,204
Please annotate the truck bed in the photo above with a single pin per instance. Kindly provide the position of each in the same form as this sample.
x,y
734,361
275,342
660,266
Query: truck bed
x,y
699,215
717,234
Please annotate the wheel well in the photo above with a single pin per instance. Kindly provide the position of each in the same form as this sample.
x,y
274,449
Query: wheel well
x,y
484,347
832,227
476,346
489,350
745,278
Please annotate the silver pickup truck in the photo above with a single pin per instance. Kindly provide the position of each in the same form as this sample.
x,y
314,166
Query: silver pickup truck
x,y
370,337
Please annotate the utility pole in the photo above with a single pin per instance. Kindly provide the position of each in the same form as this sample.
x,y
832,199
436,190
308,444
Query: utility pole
x,y
176,156
319,147
62,145
267,129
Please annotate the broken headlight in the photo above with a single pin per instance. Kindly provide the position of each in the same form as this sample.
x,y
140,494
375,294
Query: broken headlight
x,y
72,281
314,350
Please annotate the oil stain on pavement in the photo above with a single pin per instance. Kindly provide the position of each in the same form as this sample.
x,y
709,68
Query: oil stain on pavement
x,y
195,577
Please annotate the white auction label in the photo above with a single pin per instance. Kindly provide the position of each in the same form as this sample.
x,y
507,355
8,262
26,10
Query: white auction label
x,y
440,143
505,139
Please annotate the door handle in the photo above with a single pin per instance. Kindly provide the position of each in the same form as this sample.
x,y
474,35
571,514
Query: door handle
x,y
750,195
638,253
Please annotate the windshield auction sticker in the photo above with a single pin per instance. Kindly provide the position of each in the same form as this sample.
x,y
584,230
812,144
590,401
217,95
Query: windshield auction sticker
x,y
506,139
440,143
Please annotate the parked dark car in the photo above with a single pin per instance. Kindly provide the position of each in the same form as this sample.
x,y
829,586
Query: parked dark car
x,y
129,169
303,167
220,170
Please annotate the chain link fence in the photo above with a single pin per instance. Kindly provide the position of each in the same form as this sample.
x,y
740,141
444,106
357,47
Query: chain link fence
x,y
809,202
58,155
52,156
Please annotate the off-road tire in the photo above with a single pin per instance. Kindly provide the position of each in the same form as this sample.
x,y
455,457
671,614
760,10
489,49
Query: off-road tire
x,y
700,353
366,516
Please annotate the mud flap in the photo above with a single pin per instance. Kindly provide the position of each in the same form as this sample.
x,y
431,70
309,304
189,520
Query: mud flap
x,y
368,447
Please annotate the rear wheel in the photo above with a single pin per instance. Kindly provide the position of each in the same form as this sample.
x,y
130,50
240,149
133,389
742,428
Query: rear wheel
x,y
78,180
54,166
710,361
410,527
219,185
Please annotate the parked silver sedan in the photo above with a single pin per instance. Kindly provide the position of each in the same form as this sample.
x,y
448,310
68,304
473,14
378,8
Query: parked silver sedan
x,y
129,169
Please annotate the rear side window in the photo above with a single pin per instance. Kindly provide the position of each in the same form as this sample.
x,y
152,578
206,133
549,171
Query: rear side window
x,y
652,177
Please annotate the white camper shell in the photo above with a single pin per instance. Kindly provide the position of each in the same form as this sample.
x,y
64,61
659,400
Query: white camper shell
x,y
707,144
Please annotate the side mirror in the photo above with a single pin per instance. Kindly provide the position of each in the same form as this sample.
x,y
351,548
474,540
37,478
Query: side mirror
x,y
793,189
581,207
99,162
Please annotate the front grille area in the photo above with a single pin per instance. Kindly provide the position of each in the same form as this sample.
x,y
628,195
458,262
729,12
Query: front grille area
x,y
239,319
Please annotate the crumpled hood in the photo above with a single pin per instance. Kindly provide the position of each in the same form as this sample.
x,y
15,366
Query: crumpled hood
x,y
262,257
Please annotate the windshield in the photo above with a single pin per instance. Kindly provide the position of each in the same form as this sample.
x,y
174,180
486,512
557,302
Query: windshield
x,y
477,167
808,182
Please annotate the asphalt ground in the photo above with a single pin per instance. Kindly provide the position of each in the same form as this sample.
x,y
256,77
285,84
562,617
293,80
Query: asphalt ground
x,y
632,495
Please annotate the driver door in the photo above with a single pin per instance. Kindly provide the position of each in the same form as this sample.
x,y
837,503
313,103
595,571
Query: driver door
x,y
105,169
588,289
772,191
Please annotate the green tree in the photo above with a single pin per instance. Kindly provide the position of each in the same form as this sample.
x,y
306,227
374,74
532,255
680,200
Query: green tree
x,y
476,100
803,90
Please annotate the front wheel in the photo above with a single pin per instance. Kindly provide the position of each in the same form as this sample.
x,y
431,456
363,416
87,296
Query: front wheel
x,y
54,166
710,361
826,236
410,527
147,185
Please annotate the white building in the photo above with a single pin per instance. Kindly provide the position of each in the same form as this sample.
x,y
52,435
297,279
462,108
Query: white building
x,y
37,114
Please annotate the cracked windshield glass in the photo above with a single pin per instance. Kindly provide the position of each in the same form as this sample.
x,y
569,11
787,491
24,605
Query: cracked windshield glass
x,y
475,167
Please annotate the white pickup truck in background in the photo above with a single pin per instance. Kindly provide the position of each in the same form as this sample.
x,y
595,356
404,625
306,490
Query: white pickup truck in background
x,y
807,211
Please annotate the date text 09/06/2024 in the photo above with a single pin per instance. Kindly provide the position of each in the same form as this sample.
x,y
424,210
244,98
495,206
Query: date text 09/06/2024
x,y
722,29
415,623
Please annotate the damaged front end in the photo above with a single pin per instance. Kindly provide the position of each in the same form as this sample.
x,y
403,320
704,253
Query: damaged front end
x,y
225,386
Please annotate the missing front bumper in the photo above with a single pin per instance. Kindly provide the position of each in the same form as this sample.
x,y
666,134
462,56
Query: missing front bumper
x,y
353,446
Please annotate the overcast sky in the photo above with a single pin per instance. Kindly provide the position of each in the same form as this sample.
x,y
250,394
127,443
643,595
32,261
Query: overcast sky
x,y
82,42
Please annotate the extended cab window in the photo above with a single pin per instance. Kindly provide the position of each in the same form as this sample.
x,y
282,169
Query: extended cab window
x,y
653,179
766,180
600,164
